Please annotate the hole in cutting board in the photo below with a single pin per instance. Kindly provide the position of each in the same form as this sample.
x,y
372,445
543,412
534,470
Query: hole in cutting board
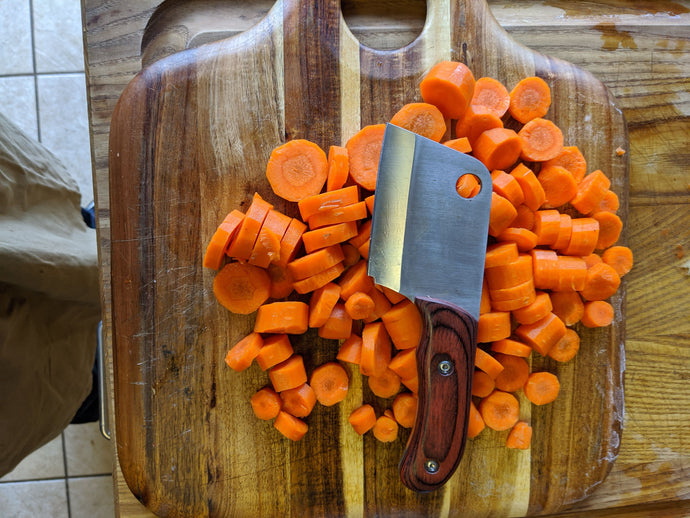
x,y
384,24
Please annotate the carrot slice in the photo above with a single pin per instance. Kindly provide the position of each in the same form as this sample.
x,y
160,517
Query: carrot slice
x,y
482,384
241,287
491,95
520,436
590,192
572,273
487,363
565,231
363,234
568,306
381,304
542,388
291,317
559,185
359,305
385,385
364,150
566,348
610,227
277,222
355,279
601,282
276,349
288,374
609,203
338,168
404,324
500,254
353,212
545,266
422,118
291,241
326,201
511,274
501,215
290,426
449,85
497,148
461,144
281,281
524,218
540,140
570,158
584,236
362,419
330,383
619,257
242,244
531,188
514,374
385,429
513,298
500,410
529,99
404,363
511,347
598,313
352,255
265,403
351,350
298,401
328,236
543,334
485,301
318,280
215,251
322,302
266,248
315,262
242,354
338,326
297,169
476,121
475,424
493,326
405,409
547,224
507,186
536,310
376,349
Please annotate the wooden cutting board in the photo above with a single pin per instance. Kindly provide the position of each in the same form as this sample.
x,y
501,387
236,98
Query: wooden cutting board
x,y
190,138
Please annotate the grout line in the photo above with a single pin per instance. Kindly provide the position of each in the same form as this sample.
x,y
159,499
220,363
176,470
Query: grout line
x,y
64,461
33,64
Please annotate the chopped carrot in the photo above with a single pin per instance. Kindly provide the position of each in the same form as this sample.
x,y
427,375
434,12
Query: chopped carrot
x,y
355,279
475,423
215,251
538,309
291,242
520,436
500,410
570,158
513,298
514,374
242,354
404,363
487,363
568,306
524,218
545,268
619,257
266,248
598,313
385,429
583,237
318,280
572,273
277,222
542,388
547,224
499,254
376,349
241,287
510,274
265,403
543,334
353,212
485,301
403,323
531,188
490,95
369,202
497,148
315,262
590,192
601,282
529,99
362,419
540,140
610,227
461,144
276,349
297,169
482,384
330,383
501,215
565,231
339,324
351,350
328,236
322,302
364,249
467,186
288,374
338,168
291,317
411,383
385,385
243,242
351,254
507,186
359,305
511,347
298,401
476,121
592,259
281,281
381,304
363,235
290,426
422,118
493,326
364,150
620,151
609,202
449,86
559,185
326,201
405,409
566,348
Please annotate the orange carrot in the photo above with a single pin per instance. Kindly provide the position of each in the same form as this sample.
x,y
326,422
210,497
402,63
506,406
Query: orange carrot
x,y
291,317
475,423
449,86
330,383
531,188
376,349
487,363
297,169
215,251
242,244
353,212
351,350
404,363
385,429
298,401
619,257
592,259
316,262
355,279
364,150
511,347
545,268
542,388
338,168
572,273
266,248
352,255
467,186
328,236
242,354
241,287
501,215
385,385
422,118
411,383
321,303
537,310
571,159
610,227
276,349
281,281
364,249
513,298
339,324
568,306
369,202
291,241
543,334
491,95
362,419
583,237
461,144
288,374
277,222
381,304
476,121
524,218
405,409
359,305
520,436
485,301
318,280
547,224
493,326
540,140
482,384
529,99
590,192
559,185
566,348
290,426
403,323
326,201
598,313
507,186
514,374
565,231
499,254
609,203
601,282
265,403
497,148
511,274
500,410
363,234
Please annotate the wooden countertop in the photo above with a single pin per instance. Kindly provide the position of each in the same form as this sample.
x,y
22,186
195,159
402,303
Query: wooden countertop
x,y
640,50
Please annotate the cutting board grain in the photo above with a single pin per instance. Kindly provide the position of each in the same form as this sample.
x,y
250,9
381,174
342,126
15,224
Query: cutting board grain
x,y
189,141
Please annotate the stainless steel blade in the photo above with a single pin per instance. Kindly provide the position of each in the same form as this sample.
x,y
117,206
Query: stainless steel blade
x,y
427,240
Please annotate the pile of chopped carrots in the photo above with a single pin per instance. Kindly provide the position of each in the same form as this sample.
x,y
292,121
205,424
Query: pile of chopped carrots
x,y
552,261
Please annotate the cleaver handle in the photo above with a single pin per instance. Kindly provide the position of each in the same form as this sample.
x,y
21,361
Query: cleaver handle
x,y
445,364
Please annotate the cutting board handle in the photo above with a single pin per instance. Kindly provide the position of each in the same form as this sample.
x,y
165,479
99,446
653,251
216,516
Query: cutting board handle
x,y
445,364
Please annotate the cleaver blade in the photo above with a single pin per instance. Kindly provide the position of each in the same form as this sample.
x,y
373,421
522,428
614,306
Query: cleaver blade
x,y
429,243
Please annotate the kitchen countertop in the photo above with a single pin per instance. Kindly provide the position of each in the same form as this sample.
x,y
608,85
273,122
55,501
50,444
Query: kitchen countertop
x,y
641,52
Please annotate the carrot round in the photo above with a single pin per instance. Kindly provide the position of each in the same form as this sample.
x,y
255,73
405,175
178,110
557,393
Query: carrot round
x,y
422,118
326,201
355,279
338,326
353,212
514,374
609,202
242,243
482,384
499,254
485,301
538,309
590,192
547,224
598,313
490,95
266,248
403,322
364,150
338,168
315,262
350,350
565,231
363,234
543,334
500,410
297,169
298,401
405,409
566,348
330,383
328,236
619,257
322,302
318,280
376,349
460,144
542,388
404,363
540,140
385,385
493,326
352,255
545,268
524,218
411,383
381,305
276,348
362,419
559,185
592,259
507,186
290,426
584,236
610,227
476,121
601,282
291,242
487,363
385,429
531,188
529,99
572,273
510,274
497,148
288,374
511,347
568,306
570,158
475,423
242,354
520,436
215,251
291,317
281,281
266,403
359,305
449,86
241,287
501,215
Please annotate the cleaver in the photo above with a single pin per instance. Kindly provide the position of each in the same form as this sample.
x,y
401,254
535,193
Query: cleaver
x,y
429,243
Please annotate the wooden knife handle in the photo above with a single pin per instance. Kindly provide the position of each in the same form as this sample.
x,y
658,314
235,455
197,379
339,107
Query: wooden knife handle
x,y
445,364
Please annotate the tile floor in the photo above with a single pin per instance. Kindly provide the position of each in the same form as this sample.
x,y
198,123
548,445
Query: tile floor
x,y
42,89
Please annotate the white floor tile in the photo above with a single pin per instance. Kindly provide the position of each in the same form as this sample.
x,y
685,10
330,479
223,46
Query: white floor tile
x,y
91,497
18,94
58,36
15,37
32,499
46,462
88,452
